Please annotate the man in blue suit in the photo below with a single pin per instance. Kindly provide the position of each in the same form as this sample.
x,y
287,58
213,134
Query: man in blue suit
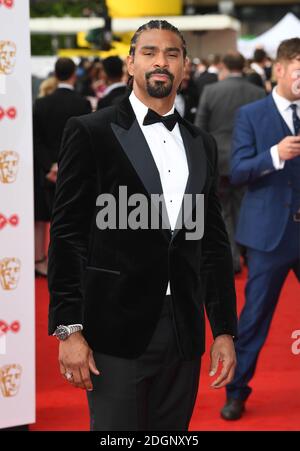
x,y
266,157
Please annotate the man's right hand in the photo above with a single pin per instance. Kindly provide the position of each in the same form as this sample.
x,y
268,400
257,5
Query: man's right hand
x,y
289,148
76,357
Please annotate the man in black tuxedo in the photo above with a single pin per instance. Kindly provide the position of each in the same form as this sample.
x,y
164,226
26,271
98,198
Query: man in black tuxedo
x,y
115,87
204,79
51,113
210,75
127,303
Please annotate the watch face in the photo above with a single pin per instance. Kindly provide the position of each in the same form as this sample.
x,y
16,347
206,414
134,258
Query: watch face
x,y
62,332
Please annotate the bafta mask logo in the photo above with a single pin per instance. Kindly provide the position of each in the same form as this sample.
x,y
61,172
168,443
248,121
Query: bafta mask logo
x,y
10,379
9,163
10,269
10,113
8,52
8,3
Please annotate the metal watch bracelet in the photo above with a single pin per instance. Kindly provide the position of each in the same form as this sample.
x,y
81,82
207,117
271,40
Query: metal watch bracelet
x,y
62,332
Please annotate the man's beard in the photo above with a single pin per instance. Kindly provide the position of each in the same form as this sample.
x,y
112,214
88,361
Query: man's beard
x,y
159,89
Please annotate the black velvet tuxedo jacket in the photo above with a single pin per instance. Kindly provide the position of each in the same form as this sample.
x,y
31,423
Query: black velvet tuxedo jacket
x,y
50,115
114,281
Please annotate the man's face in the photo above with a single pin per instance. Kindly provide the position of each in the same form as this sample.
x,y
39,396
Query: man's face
x,y
7,57
158,64
288,77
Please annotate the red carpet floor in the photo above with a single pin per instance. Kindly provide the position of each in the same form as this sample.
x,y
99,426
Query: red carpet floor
x,y
274,403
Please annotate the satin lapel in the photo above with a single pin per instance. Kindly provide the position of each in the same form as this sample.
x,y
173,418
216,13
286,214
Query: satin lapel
x,y
196,160
137,150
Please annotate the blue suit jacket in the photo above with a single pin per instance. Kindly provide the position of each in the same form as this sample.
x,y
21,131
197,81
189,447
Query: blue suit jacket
x,y
267,203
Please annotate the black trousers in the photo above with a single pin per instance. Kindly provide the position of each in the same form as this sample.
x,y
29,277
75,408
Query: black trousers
x,y
156,391
231,198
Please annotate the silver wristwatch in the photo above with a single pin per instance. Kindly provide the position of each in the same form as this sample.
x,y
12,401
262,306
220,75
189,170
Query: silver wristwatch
x,y
63,332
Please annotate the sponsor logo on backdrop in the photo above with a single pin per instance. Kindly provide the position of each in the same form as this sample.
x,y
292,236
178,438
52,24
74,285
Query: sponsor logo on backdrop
x,y
12,220
8,3
296,344
9,113
10,379
8,51
13,327
9,164
10,269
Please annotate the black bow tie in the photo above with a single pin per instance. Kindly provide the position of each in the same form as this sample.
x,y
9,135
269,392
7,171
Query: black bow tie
x,y
169,121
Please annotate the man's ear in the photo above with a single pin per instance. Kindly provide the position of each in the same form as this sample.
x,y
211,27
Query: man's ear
x,y
186,65
129,62
278,69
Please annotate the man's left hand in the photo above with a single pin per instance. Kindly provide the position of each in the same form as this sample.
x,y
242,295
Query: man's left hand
x,y
223,351
52,174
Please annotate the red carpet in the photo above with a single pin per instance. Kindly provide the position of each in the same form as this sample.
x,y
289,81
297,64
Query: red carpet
x,y
274,403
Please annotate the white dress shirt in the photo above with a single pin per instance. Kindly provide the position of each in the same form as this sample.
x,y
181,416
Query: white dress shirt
x,y
168,152
109,88
259,70
283,106
65,86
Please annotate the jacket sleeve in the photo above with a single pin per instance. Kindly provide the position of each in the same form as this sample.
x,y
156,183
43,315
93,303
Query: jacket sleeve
x,y
247,164
70,225
217,265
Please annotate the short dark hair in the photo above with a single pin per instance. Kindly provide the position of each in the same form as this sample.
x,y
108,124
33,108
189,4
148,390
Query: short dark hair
x,y
113,67
156,25
64,68
288,49
214,59
259,55
234,61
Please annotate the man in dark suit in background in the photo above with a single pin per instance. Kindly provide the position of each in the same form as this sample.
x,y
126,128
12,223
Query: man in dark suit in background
x,y
116,88
205,78
215,114
50,115
257,74
266,157
128,301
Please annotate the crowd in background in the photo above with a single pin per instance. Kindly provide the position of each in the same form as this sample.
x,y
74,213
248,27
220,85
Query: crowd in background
x,y
103,82
93,79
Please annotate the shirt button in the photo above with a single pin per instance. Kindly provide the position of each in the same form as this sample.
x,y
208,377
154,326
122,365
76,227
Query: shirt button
x,y
164,141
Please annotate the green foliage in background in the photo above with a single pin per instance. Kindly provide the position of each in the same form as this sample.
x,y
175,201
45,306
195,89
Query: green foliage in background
x,y
41,44
73,8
